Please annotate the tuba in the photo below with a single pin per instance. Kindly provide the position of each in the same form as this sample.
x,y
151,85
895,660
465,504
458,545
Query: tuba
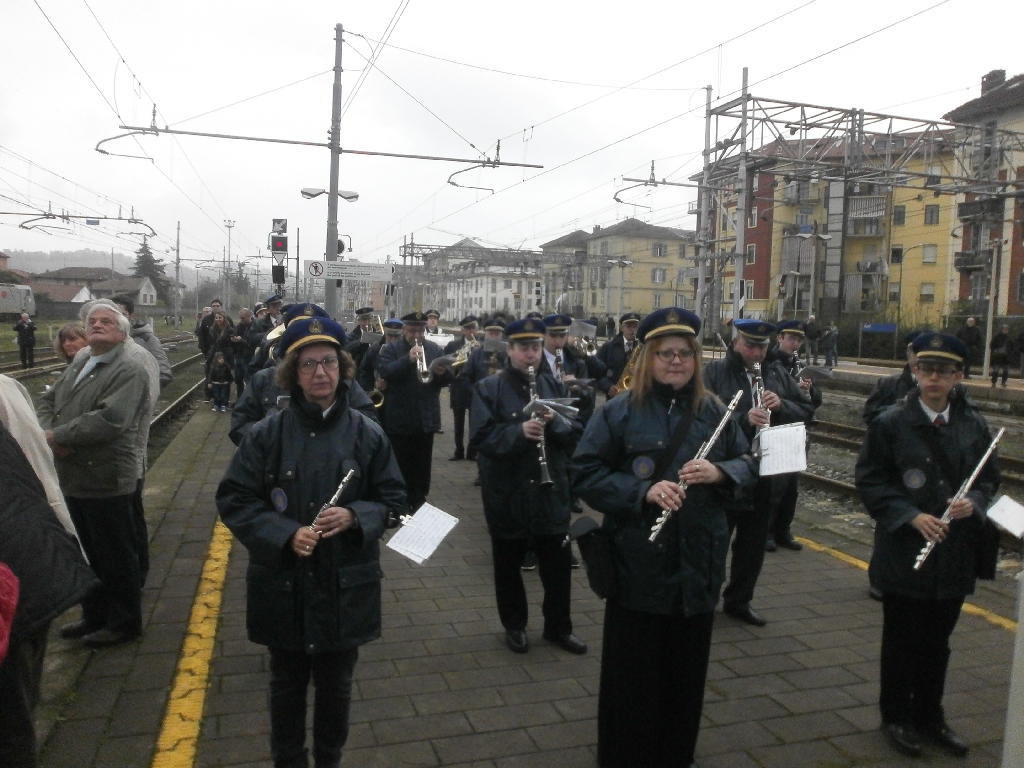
x,y
424,373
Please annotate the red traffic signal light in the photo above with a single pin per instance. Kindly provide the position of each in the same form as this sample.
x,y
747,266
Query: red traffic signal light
x,y
279,244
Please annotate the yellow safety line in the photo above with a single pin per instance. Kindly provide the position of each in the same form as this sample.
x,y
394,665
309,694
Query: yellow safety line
x,y
969,608
179,733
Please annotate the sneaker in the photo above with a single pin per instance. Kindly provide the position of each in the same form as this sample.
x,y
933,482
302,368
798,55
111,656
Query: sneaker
x,y
223,409
530,561
214,409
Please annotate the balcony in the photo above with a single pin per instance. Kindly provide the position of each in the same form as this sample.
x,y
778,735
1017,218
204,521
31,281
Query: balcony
x,y
864,228
969,261
693,207
980,210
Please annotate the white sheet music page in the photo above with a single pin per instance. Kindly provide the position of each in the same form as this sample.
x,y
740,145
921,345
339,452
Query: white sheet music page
x,y
782,449
421,533
1008,515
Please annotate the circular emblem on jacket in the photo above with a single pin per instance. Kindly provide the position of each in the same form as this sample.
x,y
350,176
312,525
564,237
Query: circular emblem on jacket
x,y
914,479
643,467
279,499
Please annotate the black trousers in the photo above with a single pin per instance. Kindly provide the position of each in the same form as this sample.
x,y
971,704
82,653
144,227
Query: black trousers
x,y
106,529
751,533
555,565
915,656
413,454
141,532
653,670
1000,367
784,506
290,673
459,415
28,355
20,676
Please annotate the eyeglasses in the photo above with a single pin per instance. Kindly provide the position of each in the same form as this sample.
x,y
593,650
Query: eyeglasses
x,y
668,355
928,369
330,363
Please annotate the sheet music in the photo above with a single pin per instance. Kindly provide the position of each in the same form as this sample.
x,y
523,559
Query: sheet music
x,y
782,449
421,533
1008,515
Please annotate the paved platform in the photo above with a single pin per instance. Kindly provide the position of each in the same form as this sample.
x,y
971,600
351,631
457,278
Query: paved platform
x,y
440,688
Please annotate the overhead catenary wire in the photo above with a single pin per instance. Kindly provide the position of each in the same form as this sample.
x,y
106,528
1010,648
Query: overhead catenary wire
x,y
395,18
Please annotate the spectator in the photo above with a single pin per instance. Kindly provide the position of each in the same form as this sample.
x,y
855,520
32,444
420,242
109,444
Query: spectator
x,y
207,311
203,333
142,334
609,327
220,381
92,418
26,331
241,350
218,339
52,576
1001,348
814,334
970,335
70,339
829,346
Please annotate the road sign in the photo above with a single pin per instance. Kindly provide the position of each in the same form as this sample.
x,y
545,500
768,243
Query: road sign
x,y
279,226
349,270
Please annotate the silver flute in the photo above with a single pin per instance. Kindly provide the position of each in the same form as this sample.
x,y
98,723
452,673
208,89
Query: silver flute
x,y
542,451
705,449
334,499
964,490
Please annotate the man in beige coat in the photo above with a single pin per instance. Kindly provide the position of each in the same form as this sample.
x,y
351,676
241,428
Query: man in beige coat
x,y
92,417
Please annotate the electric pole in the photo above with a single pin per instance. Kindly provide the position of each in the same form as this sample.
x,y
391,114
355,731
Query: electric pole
x,y
330,290
298,262
227,275
741,212
177,279
705,223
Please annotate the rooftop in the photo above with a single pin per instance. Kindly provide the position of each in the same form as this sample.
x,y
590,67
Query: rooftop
x,y
998,98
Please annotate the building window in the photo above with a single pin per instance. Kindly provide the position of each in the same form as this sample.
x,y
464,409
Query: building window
x,y
896,254
519,286
725,221
507,285
682,250
927,295
494,286
659,249
504,304
604,247
658,275
894,292
751,253
899,215
752,217
931,215
593,298
803,216
518,304
929,254
494,302
657,301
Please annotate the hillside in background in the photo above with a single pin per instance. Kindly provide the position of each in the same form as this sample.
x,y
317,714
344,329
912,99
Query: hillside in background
x,y
39,261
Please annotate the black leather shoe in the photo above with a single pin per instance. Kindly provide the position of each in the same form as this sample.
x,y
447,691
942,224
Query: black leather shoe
x,y
529,561
789,543
769,546
875,593
516,640
947,738
745,614
577,508
903,738
76,629
102,638
568,642
477,481
457,456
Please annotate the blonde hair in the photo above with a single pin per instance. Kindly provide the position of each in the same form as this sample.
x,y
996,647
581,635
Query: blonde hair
x,y
643,371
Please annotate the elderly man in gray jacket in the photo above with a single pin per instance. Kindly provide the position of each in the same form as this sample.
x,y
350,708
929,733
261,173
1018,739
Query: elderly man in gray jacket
x,y
92,416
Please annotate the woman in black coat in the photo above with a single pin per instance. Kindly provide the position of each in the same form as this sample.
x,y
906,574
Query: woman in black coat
x,y
313,582
657,627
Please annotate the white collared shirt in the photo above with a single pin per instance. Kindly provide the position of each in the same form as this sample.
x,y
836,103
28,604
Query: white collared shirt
x,y
932,415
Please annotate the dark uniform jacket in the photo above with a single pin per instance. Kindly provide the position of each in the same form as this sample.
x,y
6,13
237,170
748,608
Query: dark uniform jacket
x,y
205,326
1002,349
970,335
683,570
263,396
515,505
480,365
220,341
573,365
898,478
367,369
412,408
613,355
888,390
281,475
26,330
793,365
460,393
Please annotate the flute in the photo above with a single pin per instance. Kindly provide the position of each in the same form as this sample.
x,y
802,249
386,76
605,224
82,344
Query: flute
x,y
334,499
964,490
705,449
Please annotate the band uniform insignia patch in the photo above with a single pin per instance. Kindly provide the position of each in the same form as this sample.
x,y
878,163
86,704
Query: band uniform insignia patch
x,y
643,467
308,311
315,327
936,342
762,329
528,326
672,317
914,479
279,499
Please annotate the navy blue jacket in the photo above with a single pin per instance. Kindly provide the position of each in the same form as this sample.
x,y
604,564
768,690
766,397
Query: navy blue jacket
x,y
412,408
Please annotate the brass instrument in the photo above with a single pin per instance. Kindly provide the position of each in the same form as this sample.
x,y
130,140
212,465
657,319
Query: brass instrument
x,y
376,397
334,499
425,374
965,488
705,449
585,346
542,451
626,379
462,356
380,325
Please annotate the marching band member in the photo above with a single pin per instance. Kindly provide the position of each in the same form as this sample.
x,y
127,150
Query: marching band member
x,y
615,354
657,627
783,403
786,487
571,367
517,506
915,457
313,582
432,318
356,346
367,376
460,393
413,414
889,390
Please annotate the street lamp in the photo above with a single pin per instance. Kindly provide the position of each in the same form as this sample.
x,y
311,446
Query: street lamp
x,y
331,252
621,264
345,194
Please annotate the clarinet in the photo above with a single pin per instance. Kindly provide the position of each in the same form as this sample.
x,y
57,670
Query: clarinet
x,y
964,489
334,499
542,451
705,449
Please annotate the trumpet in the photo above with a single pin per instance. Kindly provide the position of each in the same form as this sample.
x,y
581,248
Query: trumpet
x,y
542,451
425,374
585,346
376,397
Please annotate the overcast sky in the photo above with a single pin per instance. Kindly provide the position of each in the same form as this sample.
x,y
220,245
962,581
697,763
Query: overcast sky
x,y
193,57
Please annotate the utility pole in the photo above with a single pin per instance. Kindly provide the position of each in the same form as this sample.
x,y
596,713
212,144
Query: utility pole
x,y
741,211
298,263
704,195
993,293
177,279
227,275
331,291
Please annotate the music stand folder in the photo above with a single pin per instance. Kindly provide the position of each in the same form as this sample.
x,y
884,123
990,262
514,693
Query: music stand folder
x,y
783,449
422,532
